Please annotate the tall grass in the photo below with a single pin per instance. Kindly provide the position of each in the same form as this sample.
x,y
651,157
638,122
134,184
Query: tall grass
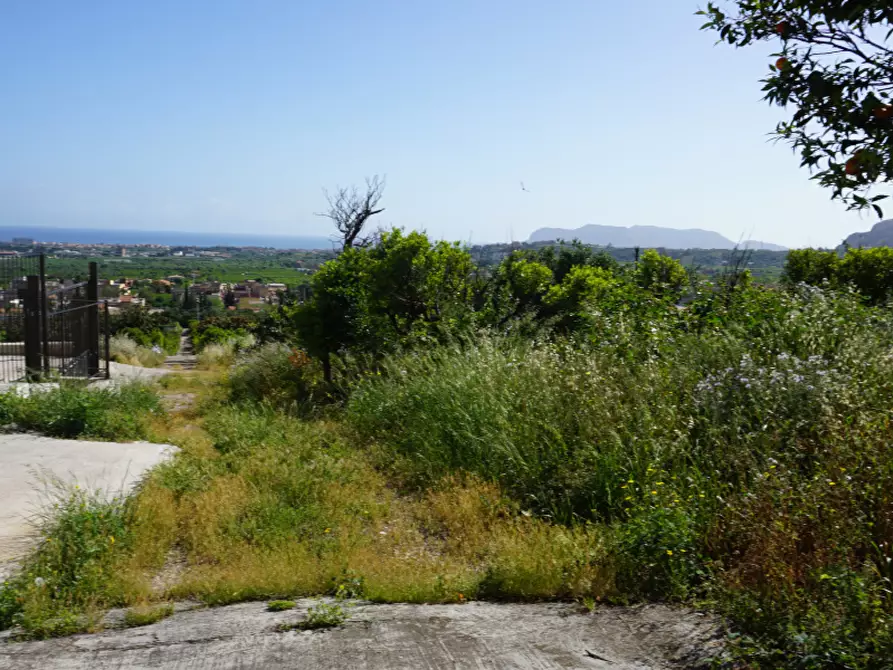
x,y
215,356
125,350
76,410
280,376
63,587
748,457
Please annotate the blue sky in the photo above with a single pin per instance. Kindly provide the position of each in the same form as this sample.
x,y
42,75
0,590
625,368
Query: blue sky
x,y
233,115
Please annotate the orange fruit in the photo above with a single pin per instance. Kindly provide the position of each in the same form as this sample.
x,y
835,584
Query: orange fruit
x,y
883,112
782,63
781,27
852,166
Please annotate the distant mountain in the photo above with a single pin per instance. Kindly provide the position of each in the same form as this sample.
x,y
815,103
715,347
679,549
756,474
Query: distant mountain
x,y
648,237
880,235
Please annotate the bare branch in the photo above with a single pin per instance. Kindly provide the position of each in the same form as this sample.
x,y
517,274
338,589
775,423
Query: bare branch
x,y
349,210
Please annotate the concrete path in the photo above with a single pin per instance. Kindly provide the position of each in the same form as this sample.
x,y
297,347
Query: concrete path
x,y
185,359
390,637
27,462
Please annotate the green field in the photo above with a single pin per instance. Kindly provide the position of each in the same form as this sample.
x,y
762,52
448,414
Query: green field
x,y
280,268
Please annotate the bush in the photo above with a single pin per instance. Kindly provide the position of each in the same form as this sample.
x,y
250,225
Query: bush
x,y
739,448
557,426
216,355
869,271
79,411
73,572
123,349
279,375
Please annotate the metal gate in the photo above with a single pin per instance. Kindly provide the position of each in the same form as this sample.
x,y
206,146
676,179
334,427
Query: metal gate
x,y
14,273
51,329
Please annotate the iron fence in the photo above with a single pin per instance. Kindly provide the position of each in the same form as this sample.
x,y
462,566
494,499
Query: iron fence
x,y
49,329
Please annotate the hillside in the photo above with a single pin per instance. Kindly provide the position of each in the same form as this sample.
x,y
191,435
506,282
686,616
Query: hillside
x,y
646,236
880,235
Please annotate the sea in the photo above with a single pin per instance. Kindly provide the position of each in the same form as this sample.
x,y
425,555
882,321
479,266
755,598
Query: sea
x,y
172,238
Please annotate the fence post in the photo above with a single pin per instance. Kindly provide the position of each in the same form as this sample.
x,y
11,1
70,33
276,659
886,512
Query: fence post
x,y
32,329
93,321
108,342
44,315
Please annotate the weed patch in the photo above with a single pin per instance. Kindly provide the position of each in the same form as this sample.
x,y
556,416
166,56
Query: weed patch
x,y
147,614
280,605
73,575
320,616
74,410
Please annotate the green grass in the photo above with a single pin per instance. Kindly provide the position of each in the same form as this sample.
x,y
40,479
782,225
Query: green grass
x,y
320,616
64,586
280,605
75,410
145,615
747,462
734,454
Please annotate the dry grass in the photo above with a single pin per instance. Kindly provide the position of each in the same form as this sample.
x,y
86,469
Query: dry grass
x,y
266,506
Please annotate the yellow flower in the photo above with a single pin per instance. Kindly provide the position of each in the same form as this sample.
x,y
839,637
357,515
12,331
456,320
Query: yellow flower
x,y
654,493
669,552
328,530
112,539
623,487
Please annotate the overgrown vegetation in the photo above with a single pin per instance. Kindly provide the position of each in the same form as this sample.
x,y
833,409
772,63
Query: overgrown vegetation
x,y
147,614
75,410
64,586
320,616
123,349
280,605
560,427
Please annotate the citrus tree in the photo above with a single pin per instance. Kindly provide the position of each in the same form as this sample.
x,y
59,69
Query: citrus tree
x,y
834,71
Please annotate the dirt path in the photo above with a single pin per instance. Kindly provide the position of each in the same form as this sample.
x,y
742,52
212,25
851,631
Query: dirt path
x,y
391,637
185,358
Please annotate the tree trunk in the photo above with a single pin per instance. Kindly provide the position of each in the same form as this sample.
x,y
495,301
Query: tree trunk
x,y
327,368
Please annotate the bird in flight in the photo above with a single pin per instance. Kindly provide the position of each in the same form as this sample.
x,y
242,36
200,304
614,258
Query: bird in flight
x,y
524,188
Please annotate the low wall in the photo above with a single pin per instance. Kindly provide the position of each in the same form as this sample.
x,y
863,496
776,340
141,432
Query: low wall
x,y
58,349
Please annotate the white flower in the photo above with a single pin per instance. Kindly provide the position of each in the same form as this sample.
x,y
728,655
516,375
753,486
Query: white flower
x,y
39,582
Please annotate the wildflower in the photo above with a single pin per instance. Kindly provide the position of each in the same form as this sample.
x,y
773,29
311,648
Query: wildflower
x,y
654,493
327,530
112,539
669,552
40,582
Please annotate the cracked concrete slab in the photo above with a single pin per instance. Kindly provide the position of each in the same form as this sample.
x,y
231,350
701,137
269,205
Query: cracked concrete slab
x,y
28,462
391,637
